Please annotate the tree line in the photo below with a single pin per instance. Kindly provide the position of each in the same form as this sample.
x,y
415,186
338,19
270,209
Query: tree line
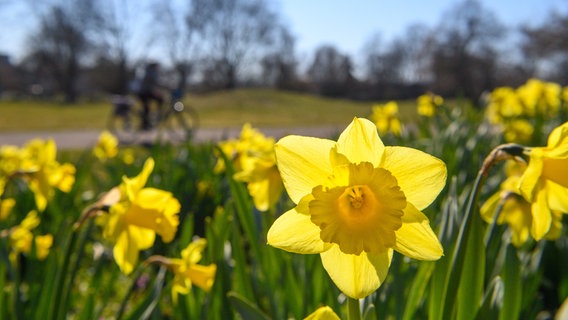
x,y
88,48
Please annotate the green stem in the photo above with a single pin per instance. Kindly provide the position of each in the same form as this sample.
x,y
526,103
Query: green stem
x,y
354,309
135,275
502,152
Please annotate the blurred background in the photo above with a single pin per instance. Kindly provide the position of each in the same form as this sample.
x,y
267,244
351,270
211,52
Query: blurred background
x,y
364,50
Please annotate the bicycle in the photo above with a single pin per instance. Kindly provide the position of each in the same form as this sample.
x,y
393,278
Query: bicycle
x,y
174,121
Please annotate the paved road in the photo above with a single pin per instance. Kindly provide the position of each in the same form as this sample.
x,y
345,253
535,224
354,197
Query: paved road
x,y
86,139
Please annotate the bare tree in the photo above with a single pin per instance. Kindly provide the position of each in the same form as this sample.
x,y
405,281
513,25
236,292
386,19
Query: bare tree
x,y
64,41
546,46
465,56
279,65
233,34
331,72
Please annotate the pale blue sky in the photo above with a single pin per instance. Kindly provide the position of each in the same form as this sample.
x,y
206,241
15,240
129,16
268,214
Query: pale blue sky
x,y
348,25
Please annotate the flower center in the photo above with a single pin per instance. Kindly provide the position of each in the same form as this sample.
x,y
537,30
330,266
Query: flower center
x,y
355,196
362,216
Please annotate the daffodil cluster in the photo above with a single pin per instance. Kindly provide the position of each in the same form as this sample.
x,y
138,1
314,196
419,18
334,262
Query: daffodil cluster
x,y
533,198
386,118
37,165
133,215
253,158
428,104
357,202
23,241
187,271
515,109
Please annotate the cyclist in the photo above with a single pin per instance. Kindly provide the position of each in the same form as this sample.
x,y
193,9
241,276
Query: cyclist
x,y
150,91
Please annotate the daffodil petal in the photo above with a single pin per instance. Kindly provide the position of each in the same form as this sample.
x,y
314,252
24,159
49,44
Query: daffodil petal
x,y
542,217
143,237
323,313
557,196
357,276
530,178
303,163
416,239
202,276
360,142
295,232
125,253
420,175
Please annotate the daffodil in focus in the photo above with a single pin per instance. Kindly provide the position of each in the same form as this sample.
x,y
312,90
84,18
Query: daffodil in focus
x,y
386,119
106,147
187,271
253,159
545,181
428,103
323,313
135,215
22,239
357,201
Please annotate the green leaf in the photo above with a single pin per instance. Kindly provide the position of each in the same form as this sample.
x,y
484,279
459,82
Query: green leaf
x,y
470,291
511,275
245,308
418,289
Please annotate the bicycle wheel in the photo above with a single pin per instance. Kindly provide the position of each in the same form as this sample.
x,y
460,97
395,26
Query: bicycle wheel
x,y
124,123
181,122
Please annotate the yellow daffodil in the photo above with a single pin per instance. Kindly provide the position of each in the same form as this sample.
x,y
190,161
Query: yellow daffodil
x,y
357,201
128,156
6,206
43,172
254,161
540,97
518,130
136,214
22,238
503,104
428,103
106,147
545,181
323,313
186,270
515,210
386,119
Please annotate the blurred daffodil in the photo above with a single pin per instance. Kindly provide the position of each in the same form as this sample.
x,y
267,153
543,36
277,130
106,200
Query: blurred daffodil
x,y
357,201
518,130
36,163
44,172
22,240
428,103
253,159
6,206
187,271
135,215
386,119
511,208
540,97
545,181
106,147
323,313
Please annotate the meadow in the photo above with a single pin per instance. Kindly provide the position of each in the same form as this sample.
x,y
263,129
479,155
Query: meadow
x,y
430,209
260,107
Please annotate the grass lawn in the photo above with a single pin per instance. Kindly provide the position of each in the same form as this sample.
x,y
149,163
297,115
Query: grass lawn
x,y
260,107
